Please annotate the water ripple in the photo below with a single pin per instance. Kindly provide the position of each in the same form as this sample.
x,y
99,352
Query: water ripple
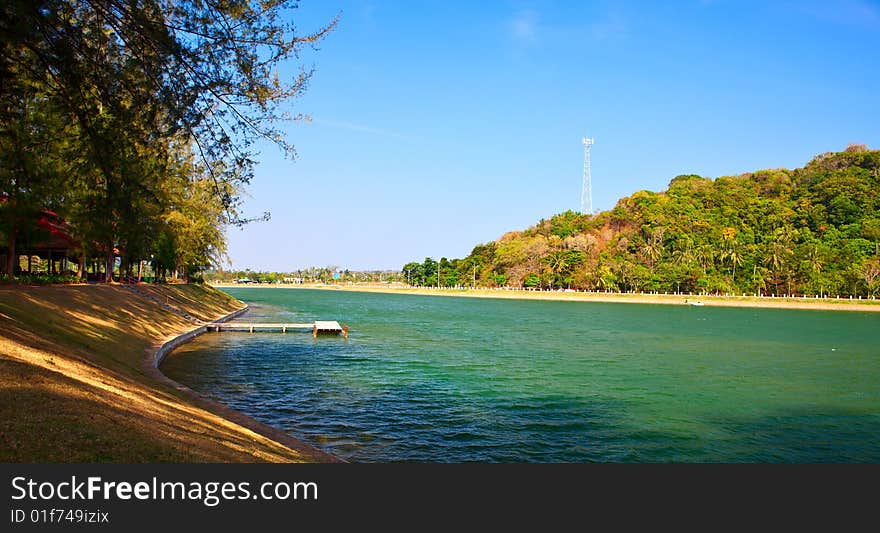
x,y
464,380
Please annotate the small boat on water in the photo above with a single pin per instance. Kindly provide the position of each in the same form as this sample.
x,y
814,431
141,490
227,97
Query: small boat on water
x,y
693,303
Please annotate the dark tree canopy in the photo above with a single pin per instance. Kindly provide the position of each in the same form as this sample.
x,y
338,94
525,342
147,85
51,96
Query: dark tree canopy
x,y
207,69
126,98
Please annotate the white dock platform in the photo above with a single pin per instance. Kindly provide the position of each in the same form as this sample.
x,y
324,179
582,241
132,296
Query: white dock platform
x,y
316,327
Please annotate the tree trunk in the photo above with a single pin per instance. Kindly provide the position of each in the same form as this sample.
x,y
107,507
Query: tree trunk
x,y
123,267
140,270
108,264
82,266
10,255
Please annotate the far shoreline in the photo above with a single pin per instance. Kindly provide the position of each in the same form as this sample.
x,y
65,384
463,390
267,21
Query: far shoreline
x,y
764,302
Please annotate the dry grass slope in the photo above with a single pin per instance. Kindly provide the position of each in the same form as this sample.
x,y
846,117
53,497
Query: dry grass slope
x,y
73,387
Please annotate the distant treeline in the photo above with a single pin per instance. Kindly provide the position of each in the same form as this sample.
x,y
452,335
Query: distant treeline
x,y
130,126
813,230
329,274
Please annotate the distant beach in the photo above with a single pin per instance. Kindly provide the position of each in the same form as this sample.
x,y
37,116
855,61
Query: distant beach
x,y
821,304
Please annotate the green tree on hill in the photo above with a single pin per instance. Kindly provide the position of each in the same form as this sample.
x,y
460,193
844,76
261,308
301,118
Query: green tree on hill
x,y
812,230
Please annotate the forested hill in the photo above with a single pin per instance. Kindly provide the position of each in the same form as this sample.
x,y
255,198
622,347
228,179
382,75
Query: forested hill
x,y
812,230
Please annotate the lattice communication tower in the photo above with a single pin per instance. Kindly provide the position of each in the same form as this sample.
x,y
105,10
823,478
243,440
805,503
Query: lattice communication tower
x,y
587,191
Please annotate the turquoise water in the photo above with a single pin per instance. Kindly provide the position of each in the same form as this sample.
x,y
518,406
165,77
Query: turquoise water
x,y
447,379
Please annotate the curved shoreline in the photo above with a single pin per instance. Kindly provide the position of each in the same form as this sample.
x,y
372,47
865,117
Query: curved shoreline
x,y
157,353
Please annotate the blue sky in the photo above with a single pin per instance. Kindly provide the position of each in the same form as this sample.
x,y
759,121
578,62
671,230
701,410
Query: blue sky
x,y
441,125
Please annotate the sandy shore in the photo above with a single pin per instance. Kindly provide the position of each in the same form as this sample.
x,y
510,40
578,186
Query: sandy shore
x,y
822,304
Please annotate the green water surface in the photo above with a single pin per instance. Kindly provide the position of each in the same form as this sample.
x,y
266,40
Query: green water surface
x,y
453,379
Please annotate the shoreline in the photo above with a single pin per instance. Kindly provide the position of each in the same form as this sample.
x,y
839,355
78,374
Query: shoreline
x,y
157,354
85,361
815,304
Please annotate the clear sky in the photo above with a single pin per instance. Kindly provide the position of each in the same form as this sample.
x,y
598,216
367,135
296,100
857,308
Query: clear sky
x,y
441,125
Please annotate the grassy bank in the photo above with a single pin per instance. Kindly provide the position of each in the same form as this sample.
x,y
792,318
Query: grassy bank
x,y
75,385
824,304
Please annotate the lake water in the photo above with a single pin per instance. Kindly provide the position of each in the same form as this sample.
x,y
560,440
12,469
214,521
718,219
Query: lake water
x,y
451,379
